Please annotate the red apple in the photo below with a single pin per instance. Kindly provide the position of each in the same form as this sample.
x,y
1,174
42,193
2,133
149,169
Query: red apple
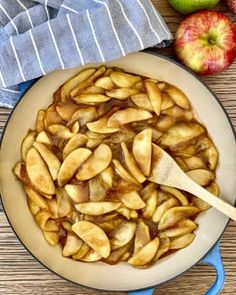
x,y
206,42
232,5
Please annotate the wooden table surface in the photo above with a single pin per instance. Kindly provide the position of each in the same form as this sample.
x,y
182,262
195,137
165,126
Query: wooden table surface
x,y
22,274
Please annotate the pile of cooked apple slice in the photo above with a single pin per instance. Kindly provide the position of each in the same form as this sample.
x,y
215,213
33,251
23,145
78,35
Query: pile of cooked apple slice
x,y
85,168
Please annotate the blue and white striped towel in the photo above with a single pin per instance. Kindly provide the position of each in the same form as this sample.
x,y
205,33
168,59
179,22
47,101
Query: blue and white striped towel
x,y
37,37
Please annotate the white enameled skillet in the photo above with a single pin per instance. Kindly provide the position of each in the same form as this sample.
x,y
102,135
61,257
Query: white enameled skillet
x,y
122,276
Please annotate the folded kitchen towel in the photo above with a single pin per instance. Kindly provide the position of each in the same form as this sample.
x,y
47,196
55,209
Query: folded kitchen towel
x,y
37,37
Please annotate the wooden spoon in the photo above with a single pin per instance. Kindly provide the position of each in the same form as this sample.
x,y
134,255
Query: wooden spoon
x,y
166,171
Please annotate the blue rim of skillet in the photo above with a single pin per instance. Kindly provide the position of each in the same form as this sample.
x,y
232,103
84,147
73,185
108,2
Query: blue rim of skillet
x,y
152,286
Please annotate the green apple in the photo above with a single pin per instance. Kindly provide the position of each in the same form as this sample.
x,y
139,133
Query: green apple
x,y
189,6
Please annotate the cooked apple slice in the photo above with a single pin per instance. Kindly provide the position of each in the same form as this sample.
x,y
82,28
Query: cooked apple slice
x,y
128,115
142,236
52,117
72,245
186,151
123,234
43,219
98,162
201,176
76,141
174,215
107,177
94,139
79,87
94,236
178,113
181,242
111,225
39,124
97,208
155,81
94,135
105,83
162,197
154,95
43,138
132,200
211,155
34,209
142,150
122,93
52,203
127,213
161,85
123,79
36,198
148,189
125,257
176,193
51,237
84,249
178,96
73,82
194,162
120,170
94,90
167,101
180,134
91,256
145,255
50,159
83,115
27,143
131,164
127,134
75,128
103,218
100,126
181,164
91,98
139,86
74,216
108,72
184,227
93,142
38,172
77,192
64,205
52,208
142,101
66,110
162,208
163,247
71,164
151,204
97,190
67,226
117,255
165,122
17,170
202,205
60,130
20,171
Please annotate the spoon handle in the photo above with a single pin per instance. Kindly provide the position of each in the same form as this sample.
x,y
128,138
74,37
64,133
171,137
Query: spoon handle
x,y
192,187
